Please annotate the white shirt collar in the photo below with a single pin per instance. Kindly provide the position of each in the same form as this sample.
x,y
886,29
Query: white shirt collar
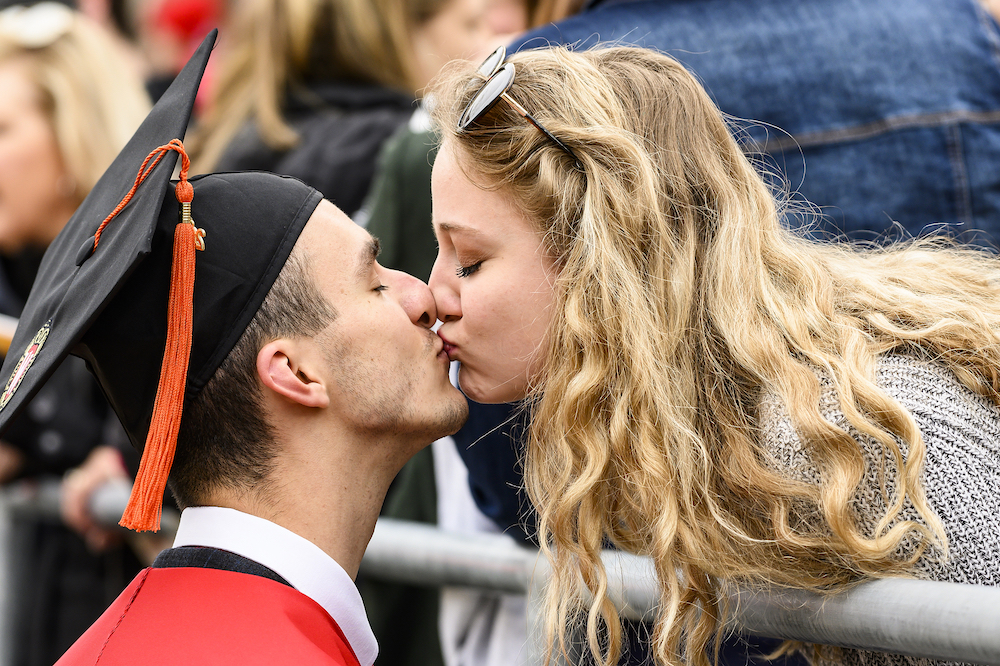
x,y
296,559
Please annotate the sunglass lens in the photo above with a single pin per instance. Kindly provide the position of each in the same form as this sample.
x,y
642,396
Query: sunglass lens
x,y
492,62
487,96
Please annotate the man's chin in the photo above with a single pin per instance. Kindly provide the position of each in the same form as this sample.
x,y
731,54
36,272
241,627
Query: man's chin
x,y
456,415
448,418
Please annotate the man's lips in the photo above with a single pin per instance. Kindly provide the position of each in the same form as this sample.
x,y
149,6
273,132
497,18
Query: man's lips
x,y
442,353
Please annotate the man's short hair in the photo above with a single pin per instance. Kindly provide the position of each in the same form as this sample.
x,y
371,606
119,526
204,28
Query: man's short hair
x,y
225,438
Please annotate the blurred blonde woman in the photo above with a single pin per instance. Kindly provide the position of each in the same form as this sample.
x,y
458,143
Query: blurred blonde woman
x,y
312,88
69,104
706,388
67,89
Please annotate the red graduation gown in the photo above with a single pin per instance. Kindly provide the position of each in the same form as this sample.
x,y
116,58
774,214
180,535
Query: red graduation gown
x,y
189,615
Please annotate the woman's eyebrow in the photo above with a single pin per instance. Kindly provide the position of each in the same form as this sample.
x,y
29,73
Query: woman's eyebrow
x,y
452,227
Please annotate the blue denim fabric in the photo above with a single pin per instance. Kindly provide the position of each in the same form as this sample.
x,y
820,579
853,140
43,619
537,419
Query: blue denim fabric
x,y
881,111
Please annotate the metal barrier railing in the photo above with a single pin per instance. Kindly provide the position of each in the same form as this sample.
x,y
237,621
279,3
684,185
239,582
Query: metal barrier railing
x,y
944,621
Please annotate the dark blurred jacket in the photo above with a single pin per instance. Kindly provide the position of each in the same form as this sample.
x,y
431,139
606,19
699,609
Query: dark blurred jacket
x,y
342,128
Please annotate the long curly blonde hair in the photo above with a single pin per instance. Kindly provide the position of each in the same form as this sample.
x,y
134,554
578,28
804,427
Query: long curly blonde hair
x,y
681,300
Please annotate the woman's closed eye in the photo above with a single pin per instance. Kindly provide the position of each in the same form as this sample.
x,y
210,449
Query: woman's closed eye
x,y
466,271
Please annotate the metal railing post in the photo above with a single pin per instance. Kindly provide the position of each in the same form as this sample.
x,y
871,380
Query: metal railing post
x,y
920,618
7,576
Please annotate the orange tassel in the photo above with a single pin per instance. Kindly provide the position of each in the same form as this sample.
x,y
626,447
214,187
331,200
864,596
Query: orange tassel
x,y
145,503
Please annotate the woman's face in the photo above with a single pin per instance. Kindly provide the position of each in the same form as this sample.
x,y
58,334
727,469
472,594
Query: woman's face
x,y
492,282
36,194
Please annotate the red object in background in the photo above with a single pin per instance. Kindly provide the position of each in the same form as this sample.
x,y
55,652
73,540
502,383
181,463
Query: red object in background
x,y
185,23
189,20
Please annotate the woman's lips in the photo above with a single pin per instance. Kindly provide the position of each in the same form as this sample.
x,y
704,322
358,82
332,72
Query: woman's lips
x,y
449,348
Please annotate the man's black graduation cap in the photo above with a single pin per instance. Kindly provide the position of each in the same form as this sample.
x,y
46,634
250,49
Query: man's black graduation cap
x,y
107,301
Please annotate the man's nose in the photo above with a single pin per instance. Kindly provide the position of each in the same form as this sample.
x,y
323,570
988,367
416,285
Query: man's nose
x,y
416,299
445,296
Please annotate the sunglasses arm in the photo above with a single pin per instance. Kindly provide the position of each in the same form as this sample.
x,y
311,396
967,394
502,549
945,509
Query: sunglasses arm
x,y
531,119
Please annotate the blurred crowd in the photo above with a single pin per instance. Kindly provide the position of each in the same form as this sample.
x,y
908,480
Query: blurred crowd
x,y
883,116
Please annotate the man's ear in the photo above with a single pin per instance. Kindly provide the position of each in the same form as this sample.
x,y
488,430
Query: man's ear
x,y
281,370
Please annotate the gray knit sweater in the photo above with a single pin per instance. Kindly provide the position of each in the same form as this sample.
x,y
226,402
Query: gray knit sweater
x,y
961,473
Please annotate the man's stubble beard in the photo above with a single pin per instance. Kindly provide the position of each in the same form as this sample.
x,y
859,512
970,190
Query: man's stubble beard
x,y
395,410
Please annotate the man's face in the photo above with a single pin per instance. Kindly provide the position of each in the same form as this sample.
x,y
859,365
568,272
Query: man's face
x,y
388,370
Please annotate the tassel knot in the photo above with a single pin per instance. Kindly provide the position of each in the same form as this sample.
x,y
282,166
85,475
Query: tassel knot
x,y
184,191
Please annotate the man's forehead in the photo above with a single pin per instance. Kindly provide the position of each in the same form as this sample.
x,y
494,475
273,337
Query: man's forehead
x,y
330,228
334,236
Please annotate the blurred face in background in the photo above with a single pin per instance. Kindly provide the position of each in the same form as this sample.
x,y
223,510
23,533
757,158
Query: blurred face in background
x,y
37,194
507,19
460,30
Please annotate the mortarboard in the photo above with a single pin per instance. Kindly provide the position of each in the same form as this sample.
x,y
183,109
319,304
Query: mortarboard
x,y
109,280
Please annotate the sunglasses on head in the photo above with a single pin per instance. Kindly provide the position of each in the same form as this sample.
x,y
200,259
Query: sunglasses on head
x,y
499,77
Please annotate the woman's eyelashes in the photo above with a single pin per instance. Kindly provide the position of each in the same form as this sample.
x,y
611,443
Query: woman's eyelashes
x,y
466,271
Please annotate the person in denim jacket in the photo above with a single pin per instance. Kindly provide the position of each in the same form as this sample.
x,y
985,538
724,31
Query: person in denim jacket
x,y
883,113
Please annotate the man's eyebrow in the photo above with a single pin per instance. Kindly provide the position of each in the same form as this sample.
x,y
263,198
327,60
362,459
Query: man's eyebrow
x,y
367,257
